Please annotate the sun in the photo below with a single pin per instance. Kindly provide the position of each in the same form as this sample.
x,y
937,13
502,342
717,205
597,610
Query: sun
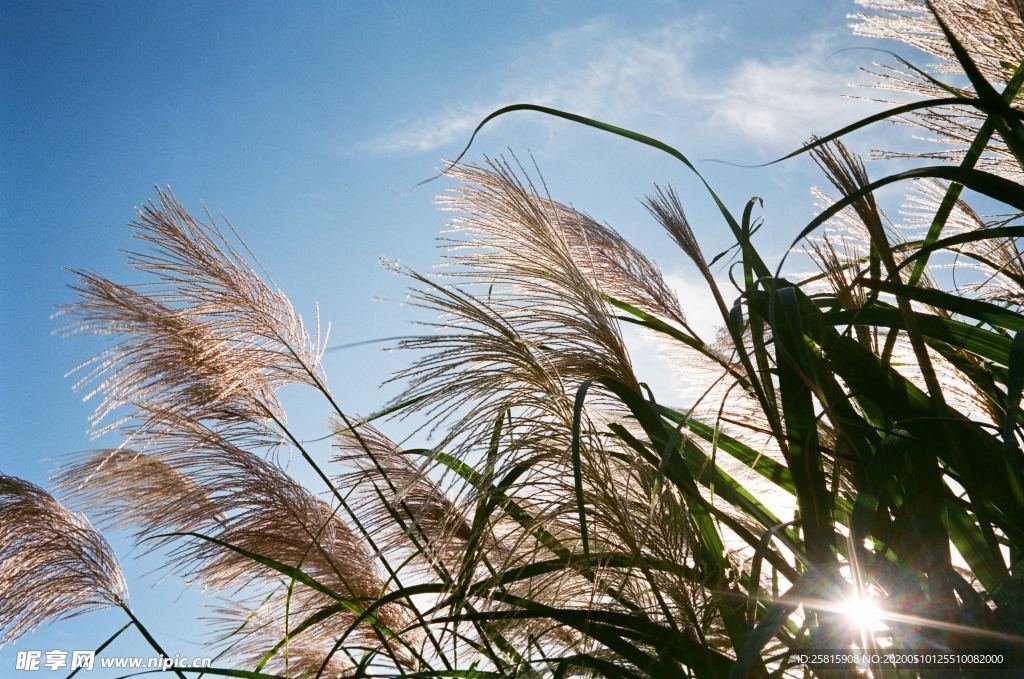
x,y
861,612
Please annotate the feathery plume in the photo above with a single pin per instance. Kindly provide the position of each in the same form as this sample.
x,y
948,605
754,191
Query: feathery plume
x,y
616,267
996,262
862,224
667,209
248,633
206,337
400,503
237,498
191,384
522,324
990,31
246,501
125,488
53,564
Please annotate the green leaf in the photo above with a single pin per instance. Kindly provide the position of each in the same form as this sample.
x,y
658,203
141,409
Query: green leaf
x,y
956,304
985,183
577,465
778,613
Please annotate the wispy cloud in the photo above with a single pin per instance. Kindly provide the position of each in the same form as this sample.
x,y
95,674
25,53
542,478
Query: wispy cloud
x,y
673,79
788,98
434,132
594,68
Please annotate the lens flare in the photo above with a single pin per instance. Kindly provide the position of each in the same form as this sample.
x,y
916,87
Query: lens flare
x,y
862,612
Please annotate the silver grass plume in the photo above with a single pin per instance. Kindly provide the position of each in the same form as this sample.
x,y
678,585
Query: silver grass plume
x,y
846,171
203,345
667,209
238,498
516,239
715,375
617,268
417,522
847,174
713,371
129,489
862,224
421,524
995,262
992,32
53,563
399,501
248,632
523,323
204,336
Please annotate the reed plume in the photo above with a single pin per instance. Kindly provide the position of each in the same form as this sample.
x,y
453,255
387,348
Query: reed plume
x,y
249,632
236,498
53,564
990,31
205,337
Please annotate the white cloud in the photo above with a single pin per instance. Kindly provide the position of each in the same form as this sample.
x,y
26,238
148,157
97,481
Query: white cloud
x,y
426,135
652,366
656,360
593,69
786,100
669,79
699,306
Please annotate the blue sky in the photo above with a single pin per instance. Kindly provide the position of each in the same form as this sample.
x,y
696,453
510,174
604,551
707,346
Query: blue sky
x,y
308,125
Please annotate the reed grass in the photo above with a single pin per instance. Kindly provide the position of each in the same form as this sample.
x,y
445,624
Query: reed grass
x,y
567,522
